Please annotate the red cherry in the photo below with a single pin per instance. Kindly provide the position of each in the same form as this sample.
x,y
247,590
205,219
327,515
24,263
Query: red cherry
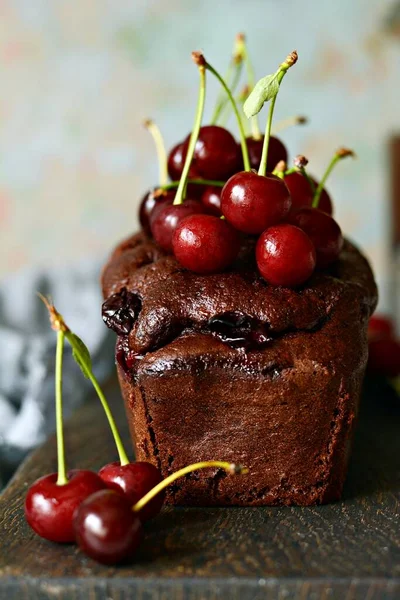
x,y
252,202
149,202
106,528
285,255
211,198
276,152
166,220
216,155
323,231
205,244
176,160
381,327
135,480
302,194
384,357
49,508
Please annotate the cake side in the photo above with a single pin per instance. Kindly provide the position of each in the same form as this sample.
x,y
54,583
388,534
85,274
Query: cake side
x,y
286,407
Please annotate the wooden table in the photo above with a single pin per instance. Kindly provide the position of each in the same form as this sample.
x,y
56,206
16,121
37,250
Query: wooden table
x,y
349,550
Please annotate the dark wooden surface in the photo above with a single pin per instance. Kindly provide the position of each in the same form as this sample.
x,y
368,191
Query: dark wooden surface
x,y
349,550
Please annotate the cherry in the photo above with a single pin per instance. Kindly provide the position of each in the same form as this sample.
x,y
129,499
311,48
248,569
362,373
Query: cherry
x,y
205,244
252,202
276,152
168,218
323,231
49,507
135,480
380,327
106,528
285,255
211,198
176,160
216,153
384,357
149,201
302,193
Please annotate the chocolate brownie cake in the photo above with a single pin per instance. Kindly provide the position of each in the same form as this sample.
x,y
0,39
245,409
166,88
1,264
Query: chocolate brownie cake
x,y
226,366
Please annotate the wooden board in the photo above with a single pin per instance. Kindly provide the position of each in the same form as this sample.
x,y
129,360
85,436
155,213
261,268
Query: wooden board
x,y
349,550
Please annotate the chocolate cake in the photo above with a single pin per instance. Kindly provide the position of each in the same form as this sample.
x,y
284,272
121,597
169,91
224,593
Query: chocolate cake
x,y
228,367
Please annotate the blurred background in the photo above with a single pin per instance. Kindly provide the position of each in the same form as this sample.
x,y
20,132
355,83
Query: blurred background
x,y
79,76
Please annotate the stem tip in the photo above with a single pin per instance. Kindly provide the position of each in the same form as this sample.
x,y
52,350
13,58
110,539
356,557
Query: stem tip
x,y
291,58
56,321
198,58
300,161
344,152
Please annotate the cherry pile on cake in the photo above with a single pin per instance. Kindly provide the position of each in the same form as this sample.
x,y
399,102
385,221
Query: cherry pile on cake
x,y
241,313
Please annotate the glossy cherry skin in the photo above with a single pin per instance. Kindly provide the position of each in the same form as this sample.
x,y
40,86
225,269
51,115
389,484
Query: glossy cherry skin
x,y
211,198
276,152
168,218
49,508
176,160
205,244
323,231
252,202
302,194
285,255
149,201
134,480
106,528
381,327
216,155
384,357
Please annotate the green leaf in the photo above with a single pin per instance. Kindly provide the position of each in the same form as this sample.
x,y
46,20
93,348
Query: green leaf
x,y
264,90
80,352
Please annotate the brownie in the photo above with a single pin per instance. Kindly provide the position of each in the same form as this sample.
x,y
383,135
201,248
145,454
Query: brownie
x,y
228,367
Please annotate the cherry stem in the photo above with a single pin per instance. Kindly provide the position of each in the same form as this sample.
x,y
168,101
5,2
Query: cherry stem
x,y
226,108
251,81
180,193
62,472
289,122
280,169
232,79
300,163
228,467
175,184
339,155
245,152
280,74
123,458
155,133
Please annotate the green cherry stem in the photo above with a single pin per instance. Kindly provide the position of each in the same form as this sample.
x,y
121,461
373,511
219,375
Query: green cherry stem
x,y
123,458
280,169
280,74
62,471
82,357
251,81
245,152
174,184
230,468
289,122
232,78
199,60
300,163
155,133
339,155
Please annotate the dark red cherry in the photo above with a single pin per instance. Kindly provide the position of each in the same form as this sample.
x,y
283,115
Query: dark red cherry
x,y
285,255
211,198
168,218
135,480
302,194
106,528
276,152
216,155
323,231
381,327
49,508
205,244
176,160
252,202
384,357
147,204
